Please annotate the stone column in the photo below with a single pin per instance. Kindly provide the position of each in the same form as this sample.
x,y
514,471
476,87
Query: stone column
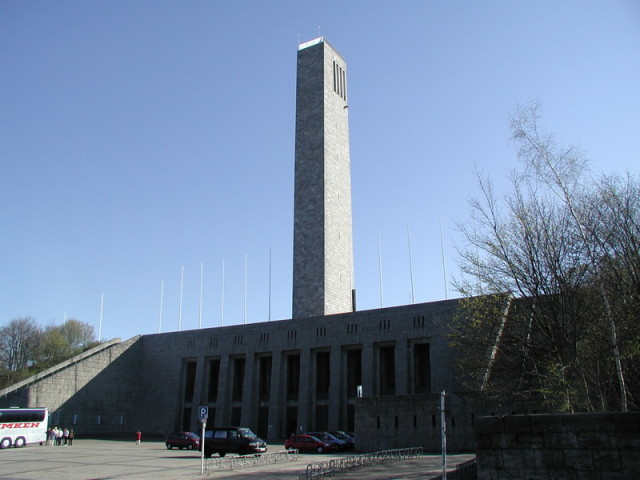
x,y
223,405
336,382
369,370
306,395
249,414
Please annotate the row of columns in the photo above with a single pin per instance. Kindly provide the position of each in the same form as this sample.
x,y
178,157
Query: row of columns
x,y
277,403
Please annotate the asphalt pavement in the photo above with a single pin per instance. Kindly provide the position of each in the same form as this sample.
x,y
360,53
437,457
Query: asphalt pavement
x,y
118,459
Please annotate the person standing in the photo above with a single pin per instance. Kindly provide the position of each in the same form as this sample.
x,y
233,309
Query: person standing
x,y
138,437
71,436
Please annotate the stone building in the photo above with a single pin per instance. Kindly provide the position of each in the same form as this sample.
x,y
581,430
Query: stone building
x,y
306,373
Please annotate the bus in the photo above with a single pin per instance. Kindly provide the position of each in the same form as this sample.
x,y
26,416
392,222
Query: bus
x,y
21,426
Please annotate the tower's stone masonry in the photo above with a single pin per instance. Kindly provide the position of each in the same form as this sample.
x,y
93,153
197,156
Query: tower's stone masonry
x,y
323,245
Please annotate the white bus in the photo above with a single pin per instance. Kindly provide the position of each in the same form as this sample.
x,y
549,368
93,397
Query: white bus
x,y
20,426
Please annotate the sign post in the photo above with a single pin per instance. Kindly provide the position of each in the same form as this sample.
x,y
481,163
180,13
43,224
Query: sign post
x,y
203,414
443,424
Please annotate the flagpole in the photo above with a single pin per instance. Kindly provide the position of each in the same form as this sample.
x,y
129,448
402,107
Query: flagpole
x,y
161,302
201,278
101,310
222,297
269,284
380,269
410,265
444,263
244,318
180,305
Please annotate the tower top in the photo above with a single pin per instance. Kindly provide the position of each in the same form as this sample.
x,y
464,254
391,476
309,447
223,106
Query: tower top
x,y
311,43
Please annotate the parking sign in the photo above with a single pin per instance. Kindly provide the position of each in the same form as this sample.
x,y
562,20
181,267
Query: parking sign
x,y
203,413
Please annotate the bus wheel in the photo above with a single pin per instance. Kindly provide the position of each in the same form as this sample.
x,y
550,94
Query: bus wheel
x,y
5,442
20,442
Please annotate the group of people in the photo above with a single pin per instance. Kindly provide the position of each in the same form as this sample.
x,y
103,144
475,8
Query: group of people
x,y
60,436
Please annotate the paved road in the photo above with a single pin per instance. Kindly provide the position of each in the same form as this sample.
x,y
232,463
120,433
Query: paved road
x,y
104,459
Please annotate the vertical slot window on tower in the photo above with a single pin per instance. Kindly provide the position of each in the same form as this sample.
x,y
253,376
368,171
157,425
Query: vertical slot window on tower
x,y
339,81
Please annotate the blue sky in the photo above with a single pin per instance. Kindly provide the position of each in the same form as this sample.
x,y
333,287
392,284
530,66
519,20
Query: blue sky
x,y
138,138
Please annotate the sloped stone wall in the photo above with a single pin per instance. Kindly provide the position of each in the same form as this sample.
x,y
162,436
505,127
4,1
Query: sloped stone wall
x,y
95,393
572,446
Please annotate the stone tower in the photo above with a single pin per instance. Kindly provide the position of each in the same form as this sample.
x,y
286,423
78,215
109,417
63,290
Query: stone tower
x,y
322,244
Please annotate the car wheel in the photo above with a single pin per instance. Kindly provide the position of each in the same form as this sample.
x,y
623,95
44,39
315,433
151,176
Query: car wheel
x,y
169,446
320,450
222,454
189,447
20,442
208,453
5,443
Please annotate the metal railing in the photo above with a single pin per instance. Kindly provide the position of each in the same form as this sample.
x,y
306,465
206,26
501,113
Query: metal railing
x,y
223,464
339,465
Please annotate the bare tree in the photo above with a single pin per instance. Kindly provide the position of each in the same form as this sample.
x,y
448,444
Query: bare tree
x,y
564,249
561,170
19,341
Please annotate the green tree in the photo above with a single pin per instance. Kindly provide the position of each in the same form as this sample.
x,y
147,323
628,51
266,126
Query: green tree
x,y
78,334
54,348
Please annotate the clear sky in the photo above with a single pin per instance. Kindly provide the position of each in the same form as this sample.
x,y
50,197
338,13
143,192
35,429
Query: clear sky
x,y
138,138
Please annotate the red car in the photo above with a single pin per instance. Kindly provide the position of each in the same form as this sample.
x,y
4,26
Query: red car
x,y
187,440
308,443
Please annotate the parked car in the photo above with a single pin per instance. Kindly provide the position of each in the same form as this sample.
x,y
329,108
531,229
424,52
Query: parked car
x,y
349,440
240,440
308,443
182,440
329,438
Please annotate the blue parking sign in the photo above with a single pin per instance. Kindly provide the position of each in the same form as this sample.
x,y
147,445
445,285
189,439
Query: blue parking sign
x,y
203,413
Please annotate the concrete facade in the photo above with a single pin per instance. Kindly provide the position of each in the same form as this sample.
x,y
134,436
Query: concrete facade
x,y
275,377
322,246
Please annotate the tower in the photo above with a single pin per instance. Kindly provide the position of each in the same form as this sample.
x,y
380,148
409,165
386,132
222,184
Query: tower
x,y
322,245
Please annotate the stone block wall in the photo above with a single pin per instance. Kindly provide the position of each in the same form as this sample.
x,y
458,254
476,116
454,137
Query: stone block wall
x,y
595,446
95,393
402,421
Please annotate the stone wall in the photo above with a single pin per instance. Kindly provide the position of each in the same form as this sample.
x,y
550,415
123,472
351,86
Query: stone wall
x,y
403,421
157,382
578,446
96,392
